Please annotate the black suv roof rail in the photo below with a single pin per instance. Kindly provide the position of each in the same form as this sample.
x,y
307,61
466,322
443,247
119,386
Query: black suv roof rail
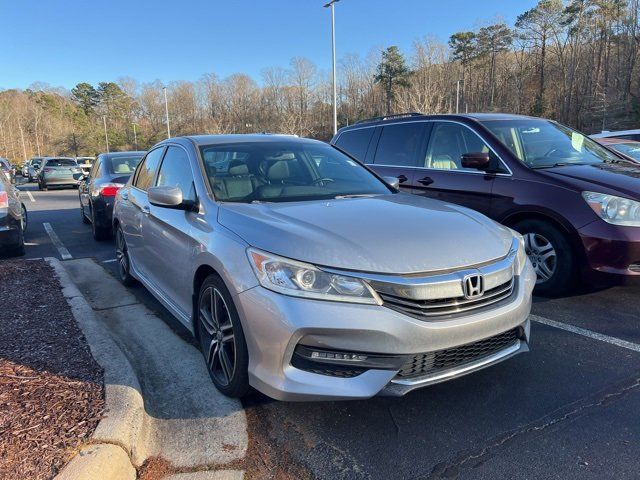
x,y
389,117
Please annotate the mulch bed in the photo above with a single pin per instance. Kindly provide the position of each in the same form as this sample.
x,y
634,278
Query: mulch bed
x,y
51,388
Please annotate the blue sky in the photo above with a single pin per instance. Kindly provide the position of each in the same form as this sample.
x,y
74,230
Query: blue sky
x,y
64,42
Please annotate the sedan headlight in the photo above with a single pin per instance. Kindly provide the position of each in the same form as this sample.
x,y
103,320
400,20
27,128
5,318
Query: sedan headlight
x,y
298,279
614,210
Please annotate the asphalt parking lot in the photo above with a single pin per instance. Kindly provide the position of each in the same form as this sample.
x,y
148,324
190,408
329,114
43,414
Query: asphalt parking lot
x,y
567,409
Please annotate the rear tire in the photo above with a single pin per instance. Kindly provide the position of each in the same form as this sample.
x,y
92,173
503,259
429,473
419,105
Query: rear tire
x,y
99,233
551,255
221,338
122,257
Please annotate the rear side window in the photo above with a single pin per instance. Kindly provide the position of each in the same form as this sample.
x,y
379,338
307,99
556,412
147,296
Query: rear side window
x,y
149,167
176,172
355,142
400,144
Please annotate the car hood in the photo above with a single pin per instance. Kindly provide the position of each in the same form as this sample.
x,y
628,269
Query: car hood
x,y
385,234
623,177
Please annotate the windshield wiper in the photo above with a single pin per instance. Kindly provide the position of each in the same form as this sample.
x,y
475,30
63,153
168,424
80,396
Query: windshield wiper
x,y
355,195
559,164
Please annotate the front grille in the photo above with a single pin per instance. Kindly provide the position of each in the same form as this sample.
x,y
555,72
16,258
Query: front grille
x,y
433,362
448,306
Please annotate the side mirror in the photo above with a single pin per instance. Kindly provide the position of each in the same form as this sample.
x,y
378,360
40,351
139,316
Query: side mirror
x,y
169,197
392,182
477,160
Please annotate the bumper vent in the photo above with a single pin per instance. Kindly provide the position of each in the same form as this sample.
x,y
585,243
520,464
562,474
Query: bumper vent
x,y
448,306
432,362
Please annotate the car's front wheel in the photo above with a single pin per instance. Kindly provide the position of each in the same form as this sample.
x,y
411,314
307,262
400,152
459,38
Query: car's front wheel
x,y
122,257
550,254
222,339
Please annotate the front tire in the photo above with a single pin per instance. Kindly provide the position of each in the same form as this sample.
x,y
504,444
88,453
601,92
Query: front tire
x,y
551,255
222,339
122,257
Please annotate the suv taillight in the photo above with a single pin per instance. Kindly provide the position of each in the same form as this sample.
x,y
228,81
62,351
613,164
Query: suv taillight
x,y
4,200
110,189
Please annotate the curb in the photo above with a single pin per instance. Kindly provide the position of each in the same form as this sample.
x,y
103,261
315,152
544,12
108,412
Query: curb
x,y
115,440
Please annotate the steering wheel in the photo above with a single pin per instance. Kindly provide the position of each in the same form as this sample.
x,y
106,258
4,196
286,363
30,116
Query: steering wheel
x,y
318,181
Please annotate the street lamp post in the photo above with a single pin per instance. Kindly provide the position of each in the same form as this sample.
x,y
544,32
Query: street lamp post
x,y
135,136
458,97
106,135
331,5
166,111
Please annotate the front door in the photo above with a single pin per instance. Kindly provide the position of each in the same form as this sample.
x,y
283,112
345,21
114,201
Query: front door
x,y
442,175
169,244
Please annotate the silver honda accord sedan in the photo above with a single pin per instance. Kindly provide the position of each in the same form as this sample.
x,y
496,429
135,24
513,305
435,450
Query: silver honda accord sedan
x,y
303,274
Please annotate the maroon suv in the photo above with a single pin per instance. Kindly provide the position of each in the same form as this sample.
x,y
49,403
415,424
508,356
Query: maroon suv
x,y
576,203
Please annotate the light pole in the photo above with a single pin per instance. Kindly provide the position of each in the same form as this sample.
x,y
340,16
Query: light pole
x,y
166,111
331,5
135,136
106,135
458,97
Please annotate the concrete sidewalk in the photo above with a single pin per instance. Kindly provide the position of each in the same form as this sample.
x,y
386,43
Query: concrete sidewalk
x,y
185,420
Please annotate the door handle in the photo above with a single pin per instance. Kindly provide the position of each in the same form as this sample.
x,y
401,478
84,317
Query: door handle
x,y
426,181
402,178
146,210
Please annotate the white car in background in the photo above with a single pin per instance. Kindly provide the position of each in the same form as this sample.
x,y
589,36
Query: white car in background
x,y
626,134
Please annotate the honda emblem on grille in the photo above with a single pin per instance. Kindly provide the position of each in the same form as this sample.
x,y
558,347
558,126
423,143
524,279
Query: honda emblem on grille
x,y
473,286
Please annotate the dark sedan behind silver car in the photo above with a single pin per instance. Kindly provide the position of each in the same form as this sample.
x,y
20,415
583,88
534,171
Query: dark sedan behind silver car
x,y
13,219
303,274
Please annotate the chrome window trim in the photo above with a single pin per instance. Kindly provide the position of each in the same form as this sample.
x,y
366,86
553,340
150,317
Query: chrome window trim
x,y
502,162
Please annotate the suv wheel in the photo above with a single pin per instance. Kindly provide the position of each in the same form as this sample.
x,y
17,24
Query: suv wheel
x,y
122,257
221,338
550,254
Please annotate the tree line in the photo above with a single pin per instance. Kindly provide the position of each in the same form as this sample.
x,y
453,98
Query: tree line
x,y
575,61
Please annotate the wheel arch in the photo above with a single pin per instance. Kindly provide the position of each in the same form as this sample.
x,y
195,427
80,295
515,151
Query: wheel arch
x,y
201,273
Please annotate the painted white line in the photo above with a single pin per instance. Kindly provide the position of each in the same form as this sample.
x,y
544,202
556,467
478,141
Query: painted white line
x,y
34,258
30,196
110,260
64,253
587,333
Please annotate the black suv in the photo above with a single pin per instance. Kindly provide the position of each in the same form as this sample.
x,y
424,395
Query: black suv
x,y
576,203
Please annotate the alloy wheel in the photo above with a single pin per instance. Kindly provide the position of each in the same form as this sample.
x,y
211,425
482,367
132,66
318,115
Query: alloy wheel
x,y
121,255
217,336
542,254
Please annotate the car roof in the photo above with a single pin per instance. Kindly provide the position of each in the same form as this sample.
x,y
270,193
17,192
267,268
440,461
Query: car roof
x,y
606,133
201,140
413,116
121,154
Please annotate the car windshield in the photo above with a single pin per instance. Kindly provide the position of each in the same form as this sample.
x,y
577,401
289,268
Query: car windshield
x,y
631,149
543,143
285,172
122,165
61,162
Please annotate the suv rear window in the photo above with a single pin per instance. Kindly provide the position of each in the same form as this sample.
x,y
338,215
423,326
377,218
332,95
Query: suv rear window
x,y
61,162
355,142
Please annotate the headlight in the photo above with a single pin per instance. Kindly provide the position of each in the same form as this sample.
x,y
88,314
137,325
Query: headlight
x,y
614,210
290,277
521,254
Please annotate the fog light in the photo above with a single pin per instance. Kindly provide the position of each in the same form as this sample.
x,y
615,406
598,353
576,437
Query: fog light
x,y
351,357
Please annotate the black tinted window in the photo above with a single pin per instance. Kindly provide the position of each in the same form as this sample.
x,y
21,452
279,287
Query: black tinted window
x,y
148,169
399,145
61,162
176,172
355,142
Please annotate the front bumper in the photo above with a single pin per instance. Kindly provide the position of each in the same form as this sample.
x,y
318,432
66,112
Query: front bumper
x,y
611,250
275,324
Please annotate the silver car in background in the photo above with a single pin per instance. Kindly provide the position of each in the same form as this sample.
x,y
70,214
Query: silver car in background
x,y
303,274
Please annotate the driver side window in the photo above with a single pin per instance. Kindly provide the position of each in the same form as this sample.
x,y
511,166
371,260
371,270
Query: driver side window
x,y
449,141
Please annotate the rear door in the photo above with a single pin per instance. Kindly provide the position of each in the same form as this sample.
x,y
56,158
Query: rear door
x,y
168,241
133,217
398,150
441,174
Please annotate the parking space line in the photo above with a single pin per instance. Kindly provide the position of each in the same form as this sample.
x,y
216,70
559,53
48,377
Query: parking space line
x,y
111,260
30,196
587,333
64,253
